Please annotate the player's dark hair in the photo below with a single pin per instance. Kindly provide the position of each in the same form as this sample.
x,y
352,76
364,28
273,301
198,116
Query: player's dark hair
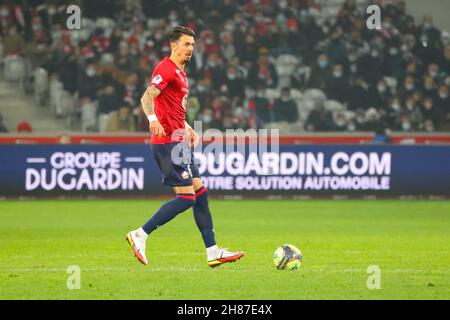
x,y
179,31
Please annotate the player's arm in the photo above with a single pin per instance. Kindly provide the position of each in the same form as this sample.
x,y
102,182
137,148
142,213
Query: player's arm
x,y
148,105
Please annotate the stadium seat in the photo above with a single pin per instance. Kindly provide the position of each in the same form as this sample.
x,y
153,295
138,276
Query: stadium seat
x,y
56,88
296,94
315,95
65,105
89,116
286,60
102,122
391,82
40,85
14,68
107,24
1,50
284,81
334,106
272,94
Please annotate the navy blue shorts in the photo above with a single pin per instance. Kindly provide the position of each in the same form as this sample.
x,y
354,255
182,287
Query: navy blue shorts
x,y
176,162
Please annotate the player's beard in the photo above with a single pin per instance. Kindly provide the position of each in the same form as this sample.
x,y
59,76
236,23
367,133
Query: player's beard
x,y
187,59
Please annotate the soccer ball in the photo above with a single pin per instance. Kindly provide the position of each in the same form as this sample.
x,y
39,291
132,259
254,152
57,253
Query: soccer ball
x,y
287,257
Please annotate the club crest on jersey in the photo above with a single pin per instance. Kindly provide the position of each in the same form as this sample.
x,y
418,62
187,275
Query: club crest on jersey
x,y
185,175
157,79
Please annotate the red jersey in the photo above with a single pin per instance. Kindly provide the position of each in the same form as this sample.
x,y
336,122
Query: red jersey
x,y
170,104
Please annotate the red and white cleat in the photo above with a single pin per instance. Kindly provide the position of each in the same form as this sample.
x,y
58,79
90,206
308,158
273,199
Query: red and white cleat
x,y
138,246
221,256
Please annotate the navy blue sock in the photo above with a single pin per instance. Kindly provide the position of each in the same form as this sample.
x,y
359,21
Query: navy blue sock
x,y
203,218
168,211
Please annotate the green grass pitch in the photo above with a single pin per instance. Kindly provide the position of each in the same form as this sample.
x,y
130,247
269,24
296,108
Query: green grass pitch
x,y
408,240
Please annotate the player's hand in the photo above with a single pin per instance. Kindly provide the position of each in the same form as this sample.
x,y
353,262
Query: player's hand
x,y
157,129
194,137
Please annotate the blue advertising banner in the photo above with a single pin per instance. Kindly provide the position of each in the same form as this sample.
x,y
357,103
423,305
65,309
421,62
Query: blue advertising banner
x,y
53,170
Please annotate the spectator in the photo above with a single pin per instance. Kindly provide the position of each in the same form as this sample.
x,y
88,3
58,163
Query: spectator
x,y
379,95
413,112
89,84
320,119
109,100
442,101
38,51
263,72
193,108
121,120
320,73
13,42
408,88
372,121
340,122
261,107
337,85
235,82
24,127
300,77
285,108
445,60
430,112
2,125
429,87
359,95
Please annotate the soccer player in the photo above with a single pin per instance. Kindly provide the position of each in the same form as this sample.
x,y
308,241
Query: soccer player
x,y
164,103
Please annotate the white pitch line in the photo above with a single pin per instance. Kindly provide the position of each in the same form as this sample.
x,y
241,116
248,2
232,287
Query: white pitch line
x,y
181,269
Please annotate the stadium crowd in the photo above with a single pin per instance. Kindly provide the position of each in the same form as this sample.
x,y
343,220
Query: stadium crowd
x,y
396,78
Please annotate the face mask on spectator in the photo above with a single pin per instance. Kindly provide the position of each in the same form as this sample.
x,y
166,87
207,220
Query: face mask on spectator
x,y
90,72
352,57
353,68
386,25
433,73
51,11
56,35
231,76
375,54
443,95
323,64
285,97
427,25
410,106
5,12
406,126
409,86
337,74
301,71
260,94
207,119
229,27
396,106
340,122
429,126
381,88
173,17
393,51
351,127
